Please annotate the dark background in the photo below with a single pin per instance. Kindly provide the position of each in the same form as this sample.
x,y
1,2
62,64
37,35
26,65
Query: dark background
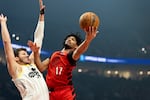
x,y
124,31
124,26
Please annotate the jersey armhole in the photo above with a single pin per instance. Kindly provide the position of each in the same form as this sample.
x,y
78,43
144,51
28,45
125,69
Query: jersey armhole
x,y
71,60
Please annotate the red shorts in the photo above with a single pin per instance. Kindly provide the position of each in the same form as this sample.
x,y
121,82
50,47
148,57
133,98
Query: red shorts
x,y
62,93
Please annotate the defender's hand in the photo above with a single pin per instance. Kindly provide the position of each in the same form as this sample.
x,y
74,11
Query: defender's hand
x,y
33,46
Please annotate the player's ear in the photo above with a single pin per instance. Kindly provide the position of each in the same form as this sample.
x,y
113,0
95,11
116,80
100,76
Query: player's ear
x,y
16,59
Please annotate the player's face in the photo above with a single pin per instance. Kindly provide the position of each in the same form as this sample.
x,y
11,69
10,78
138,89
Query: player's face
x,y
71,42
24,57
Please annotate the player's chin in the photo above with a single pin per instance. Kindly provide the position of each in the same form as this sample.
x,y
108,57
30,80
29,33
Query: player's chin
x,y
67,46
27,61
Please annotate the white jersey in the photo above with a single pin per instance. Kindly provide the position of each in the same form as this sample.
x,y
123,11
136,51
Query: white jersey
x,y
31,84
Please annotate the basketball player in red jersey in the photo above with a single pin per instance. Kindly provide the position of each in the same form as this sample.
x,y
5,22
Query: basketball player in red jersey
x,y
61,63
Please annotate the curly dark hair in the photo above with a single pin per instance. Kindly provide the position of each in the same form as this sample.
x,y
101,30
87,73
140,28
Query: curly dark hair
x,y
77,37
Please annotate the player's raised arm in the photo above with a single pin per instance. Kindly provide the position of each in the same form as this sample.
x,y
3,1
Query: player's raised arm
x,y
9,53
39,31
89,22
38,39
90,35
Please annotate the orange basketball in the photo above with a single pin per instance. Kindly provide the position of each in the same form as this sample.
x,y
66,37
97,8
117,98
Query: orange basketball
x,y
89,19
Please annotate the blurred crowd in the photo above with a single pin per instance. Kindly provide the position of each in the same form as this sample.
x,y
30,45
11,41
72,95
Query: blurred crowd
x,y
89,87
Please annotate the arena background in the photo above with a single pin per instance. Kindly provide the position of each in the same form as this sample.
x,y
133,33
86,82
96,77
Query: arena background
x,y
117,63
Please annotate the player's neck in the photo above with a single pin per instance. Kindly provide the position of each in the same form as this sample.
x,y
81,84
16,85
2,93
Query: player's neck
x,y
22,63
67,50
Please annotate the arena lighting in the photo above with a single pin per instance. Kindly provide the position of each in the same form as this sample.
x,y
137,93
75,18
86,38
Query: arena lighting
x,y
97,59
27,48
114,60
85,58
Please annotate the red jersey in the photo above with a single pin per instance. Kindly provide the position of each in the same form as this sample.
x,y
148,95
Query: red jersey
x,y
59,70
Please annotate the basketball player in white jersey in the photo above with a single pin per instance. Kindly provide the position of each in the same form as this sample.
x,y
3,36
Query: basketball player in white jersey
x,y
25,75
